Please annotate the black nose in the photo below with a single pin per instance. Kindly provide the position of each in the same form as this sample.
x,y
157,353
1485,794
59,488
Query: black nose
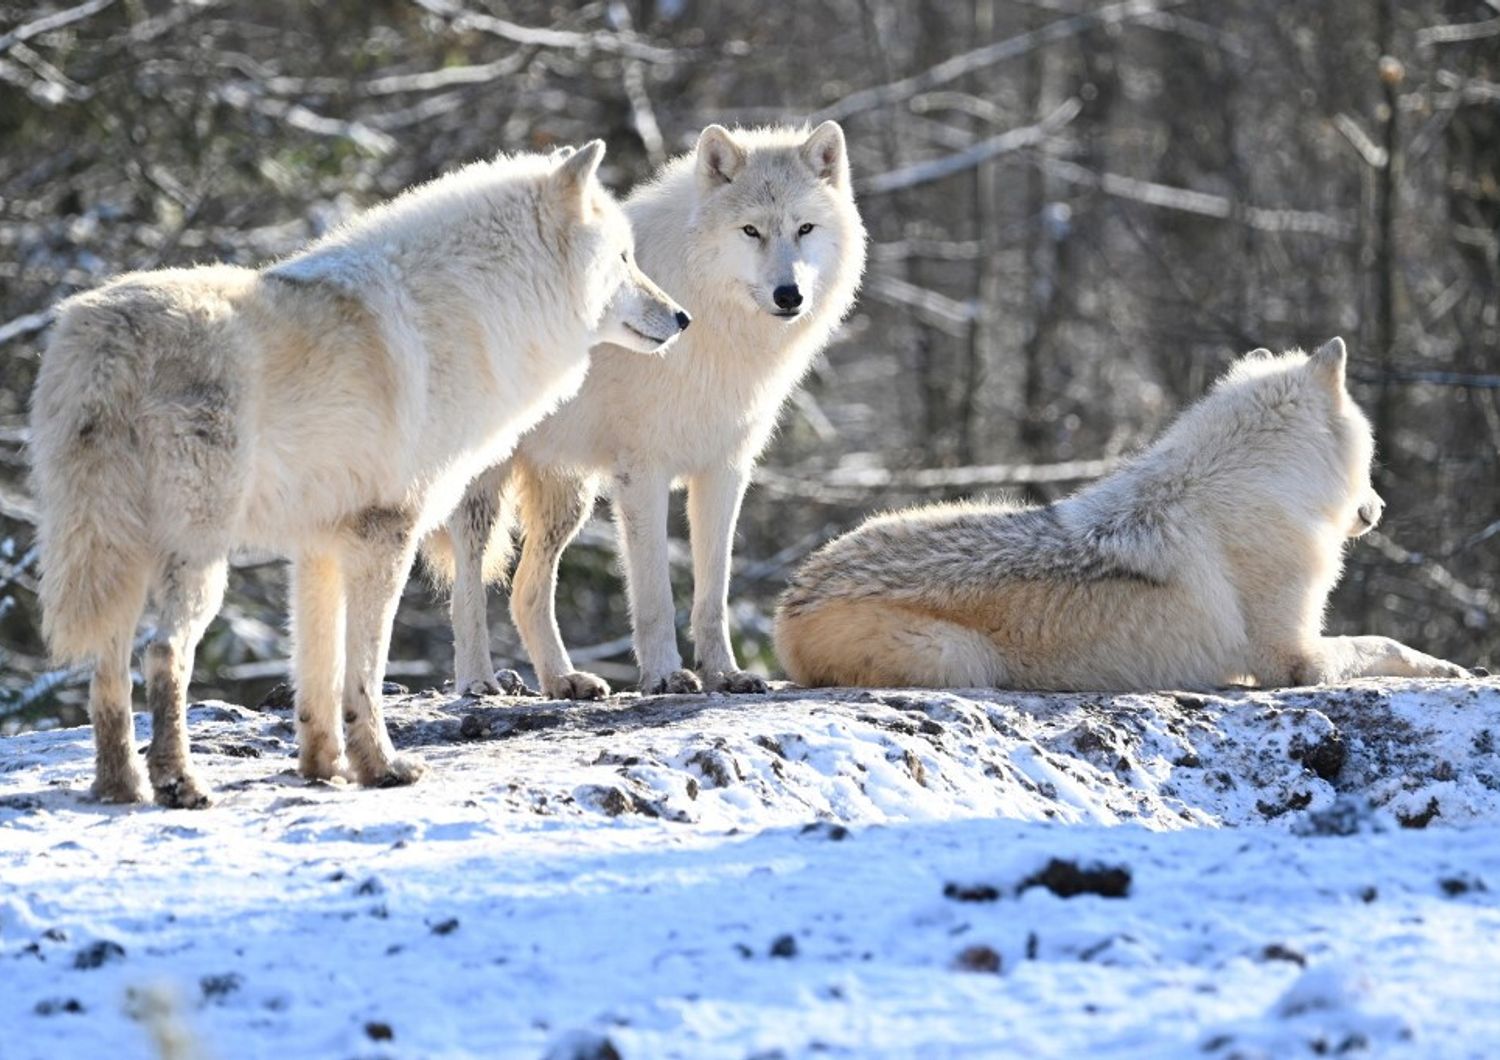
x,y
787,297
683,320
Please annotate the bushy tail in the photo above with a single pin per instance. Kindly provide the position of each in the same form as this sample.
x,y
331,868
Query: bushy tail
x,y
88,477
488,514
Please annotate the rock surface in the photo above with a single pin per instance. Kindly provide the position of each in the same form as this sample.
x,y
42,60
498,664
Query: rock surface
x,y
858,873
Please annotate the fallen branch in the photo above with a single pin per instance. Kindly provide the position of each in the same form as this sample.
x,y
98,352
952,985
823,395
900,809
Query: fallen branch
x,y
861,481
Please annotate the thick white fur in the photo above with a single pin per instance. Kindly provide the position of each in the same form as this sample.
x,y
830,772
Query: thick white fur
x,y
331,408
1209,559
699,417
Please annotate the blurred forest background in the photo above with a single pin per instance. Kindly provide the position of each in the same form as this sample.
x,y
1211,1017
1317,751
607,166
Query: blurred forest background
x,y
1080,212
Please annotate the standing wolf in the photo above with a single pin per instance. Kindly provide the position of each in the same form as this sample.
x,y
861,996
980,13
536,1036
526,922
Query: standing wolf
x,y
332,408
757,233
1208,559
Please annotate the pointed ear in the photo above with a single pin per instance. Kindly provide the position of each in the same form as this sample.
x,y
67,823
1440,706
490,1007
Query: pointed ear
x,y
563,153
825,155
578,170
1260,353
1328,362
720,159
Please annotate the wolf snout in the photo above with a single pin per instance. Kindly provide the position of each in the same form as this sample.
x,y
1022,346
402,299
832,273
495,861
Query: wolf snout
x,y
788,299
683,320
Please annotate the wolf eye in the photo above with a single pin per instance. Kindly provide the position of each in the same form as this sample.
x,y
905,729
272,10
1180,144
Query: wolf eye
x,y
625,256
805,229
751,231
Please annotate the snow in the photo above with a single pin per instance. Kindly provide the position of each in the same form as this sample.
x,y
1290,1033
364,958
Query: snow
x,y
839,873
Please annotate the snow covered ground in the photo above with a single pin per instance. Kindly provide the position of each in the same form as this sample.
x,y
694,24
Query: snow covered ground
x,y
862,874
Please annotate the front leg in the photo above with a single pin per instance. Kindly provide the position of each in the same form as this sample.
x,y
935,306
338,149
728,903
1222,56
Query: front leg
x,y
713,510
377,560
1335,659
641,516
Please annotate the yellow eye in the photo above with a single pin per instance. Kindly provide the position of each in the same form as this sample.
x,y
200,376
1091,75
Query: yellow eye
x,y
751,231
805,229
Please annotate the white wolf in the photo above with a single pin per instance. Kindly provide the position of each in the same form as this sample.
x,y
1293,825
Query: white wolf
x,y
1206,560
332,408
757,233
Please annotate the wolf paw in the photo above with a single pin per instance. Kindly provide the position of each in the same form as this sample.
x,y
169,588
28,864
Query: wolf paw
x,y
399,772
477,687
183,792
319,766
676,683
575,685
118,790
737,682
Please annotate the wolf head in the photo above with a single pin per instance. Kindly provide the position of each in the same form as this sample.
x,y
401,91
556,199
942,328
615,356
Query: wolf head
x,y
776,216
624,307
1296,416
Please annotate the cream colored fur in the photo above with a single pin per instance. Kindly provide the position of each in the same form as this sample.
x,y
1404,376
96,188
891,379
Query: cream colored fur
x,y
700,417
1208,559
331,408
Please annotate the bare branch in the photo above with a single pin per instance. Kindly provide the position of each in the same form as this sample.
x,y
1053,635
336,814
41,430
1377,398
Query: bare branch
x,y
56,20
1373,154
1458,33
299,117
938,168
25,325
1200,202
952,69
597,40
1435,573
634,78
940,311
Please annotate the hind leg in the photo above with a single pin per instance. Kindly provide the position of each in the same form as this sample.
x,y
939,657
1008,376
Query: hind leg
x,y
471,527
116,778
870,643
189,593
377,560
554,508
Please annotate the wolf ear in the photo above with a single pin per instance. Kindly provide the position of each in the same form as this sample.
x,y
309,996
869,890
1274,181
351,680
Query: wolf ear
x,y
1328,362
578,170
825,155
563,153
720,159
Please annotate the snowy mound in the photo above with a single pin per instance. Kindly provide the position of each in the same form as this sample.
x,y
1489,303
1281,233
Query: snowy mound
x,y
847,873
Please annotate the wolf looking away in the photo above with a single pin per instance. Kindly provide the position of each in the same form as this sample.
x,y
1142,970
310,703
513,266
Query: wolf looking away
x,y
331,408
756,232
1208,559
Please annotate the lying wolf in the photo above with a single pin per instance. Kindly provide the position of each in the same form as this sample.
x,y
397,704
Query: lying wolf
x,y
1208,559
757,233
332,408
